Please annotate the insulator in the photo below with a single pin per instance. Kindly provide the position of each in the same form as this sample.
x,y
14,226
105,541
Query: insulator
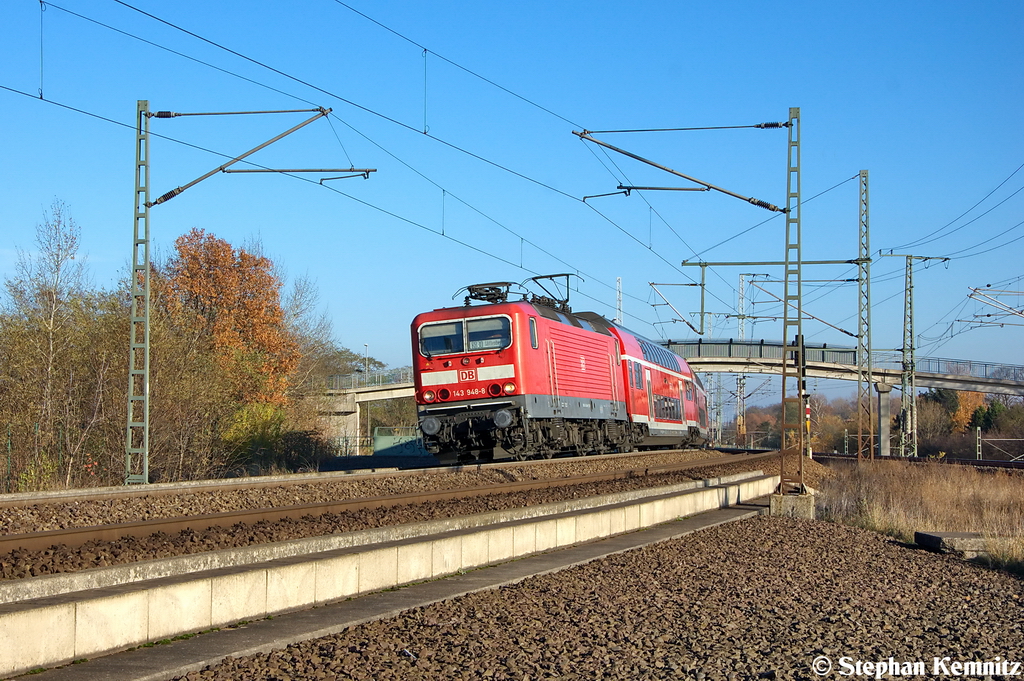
x,y
168,196
767,206
766,126
164,114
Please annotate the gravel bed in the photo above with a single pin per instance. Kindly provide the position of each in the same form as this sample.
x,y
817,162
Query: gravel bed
x,y
67,514
761,598
20,563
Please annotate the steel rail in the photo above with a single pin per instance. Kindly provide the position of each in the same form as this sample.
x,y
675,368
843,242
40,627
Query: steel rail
x,y
978,463
260,482
80,536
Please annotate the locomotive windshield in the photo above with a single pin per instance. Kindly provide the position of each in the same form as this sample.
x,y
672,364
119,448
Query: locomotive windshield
x,y
489,334
441,339
446,338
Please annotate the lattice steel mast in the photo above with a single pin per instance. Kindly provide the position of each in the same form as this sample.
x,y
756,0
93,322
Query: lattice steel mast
x,y
137,423
865,408
794,421
136,445
908,377
741,379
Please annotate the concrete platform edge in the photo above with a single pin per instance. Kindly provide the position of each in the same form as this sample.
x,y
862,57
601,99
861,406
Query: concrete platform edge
x,y
56,630
14,591
160,663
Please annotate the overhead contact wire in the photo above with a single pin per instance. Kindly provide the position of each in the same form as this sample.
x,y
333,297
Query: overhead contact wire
x,y
350,102
294,96
457,65
384,211
763,222
921,241
380,115
287,94
326,92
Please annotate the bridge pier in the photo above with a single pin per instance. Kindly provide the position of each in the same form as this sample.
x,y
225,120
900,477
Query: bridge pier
x,y
340,416
342,411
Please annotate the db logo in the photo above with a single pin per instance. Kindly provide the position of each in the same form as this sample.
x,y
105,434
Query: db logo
x,y
467,375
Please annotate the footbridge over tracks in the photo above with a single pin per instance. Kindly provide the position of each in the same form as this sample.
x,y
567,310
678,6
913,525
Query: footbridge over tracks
x,y
823,361
341,403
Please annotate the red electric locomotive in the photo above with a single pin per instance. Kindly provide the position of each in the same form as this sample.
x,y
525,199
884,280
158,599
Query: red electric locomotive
x,y
530,378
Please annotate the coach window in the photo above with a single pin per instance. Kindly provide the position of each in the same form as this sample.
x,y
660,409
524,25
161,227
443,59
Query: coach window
x,y
441,339
689,391
534,343
494,333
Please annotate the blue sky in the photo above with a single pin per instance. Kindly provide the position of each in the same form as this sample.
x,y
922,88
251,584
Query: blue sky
x,y
924,95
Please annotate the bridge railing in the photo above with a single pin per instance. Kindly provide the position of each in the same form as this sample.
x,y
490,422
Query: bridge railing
x,y
882,359
760,350
373,379
966,367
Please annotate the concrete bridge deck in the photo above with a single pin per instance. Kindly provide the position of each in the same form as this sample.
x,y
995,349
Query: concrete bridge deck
x,y
765,357
345,393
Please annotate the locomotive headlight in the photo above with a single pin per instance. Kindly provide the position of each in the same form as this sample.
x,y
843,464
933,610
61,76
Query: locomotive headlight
x,y
428,396
430,425
510,388
503,418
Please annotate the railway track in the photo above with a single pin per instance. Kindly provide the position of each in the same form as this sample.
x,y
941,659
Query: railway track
x,y
977,463
169,595
79,536
261,482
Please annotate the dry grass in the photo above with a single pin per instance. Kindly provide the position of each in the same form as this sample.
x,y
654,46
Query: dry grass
x,y
900,498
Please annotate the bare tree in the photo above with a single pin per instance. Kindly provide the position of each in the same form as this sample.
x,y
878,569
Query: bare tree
x,y
45,307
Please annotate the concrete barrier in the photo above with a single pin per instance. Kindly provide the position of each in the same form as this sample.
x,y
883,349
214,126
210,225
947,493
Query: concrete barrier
x,y
46,621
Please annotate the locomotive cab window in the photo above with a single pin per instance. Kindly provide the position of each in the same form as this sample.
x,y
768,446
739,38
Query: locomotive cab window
x,y
534,342
441,339
494,333
465,335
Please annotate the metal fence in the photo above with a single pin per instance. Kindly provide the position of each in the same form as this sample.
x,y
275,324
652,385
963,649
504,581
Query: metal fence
x,y
352,445
398,441
884,359
386,441
373,379
761,350
964,367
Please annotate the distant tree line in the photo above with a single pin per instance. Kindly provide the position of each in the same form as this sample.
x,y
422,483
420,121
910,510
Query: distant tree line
x,y
947,423
233,355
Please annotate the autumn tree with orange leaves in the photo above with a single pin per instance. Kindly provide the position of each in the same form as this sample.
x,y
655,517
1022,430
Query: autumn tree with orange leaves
x,y
236,365
967,404
230,299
